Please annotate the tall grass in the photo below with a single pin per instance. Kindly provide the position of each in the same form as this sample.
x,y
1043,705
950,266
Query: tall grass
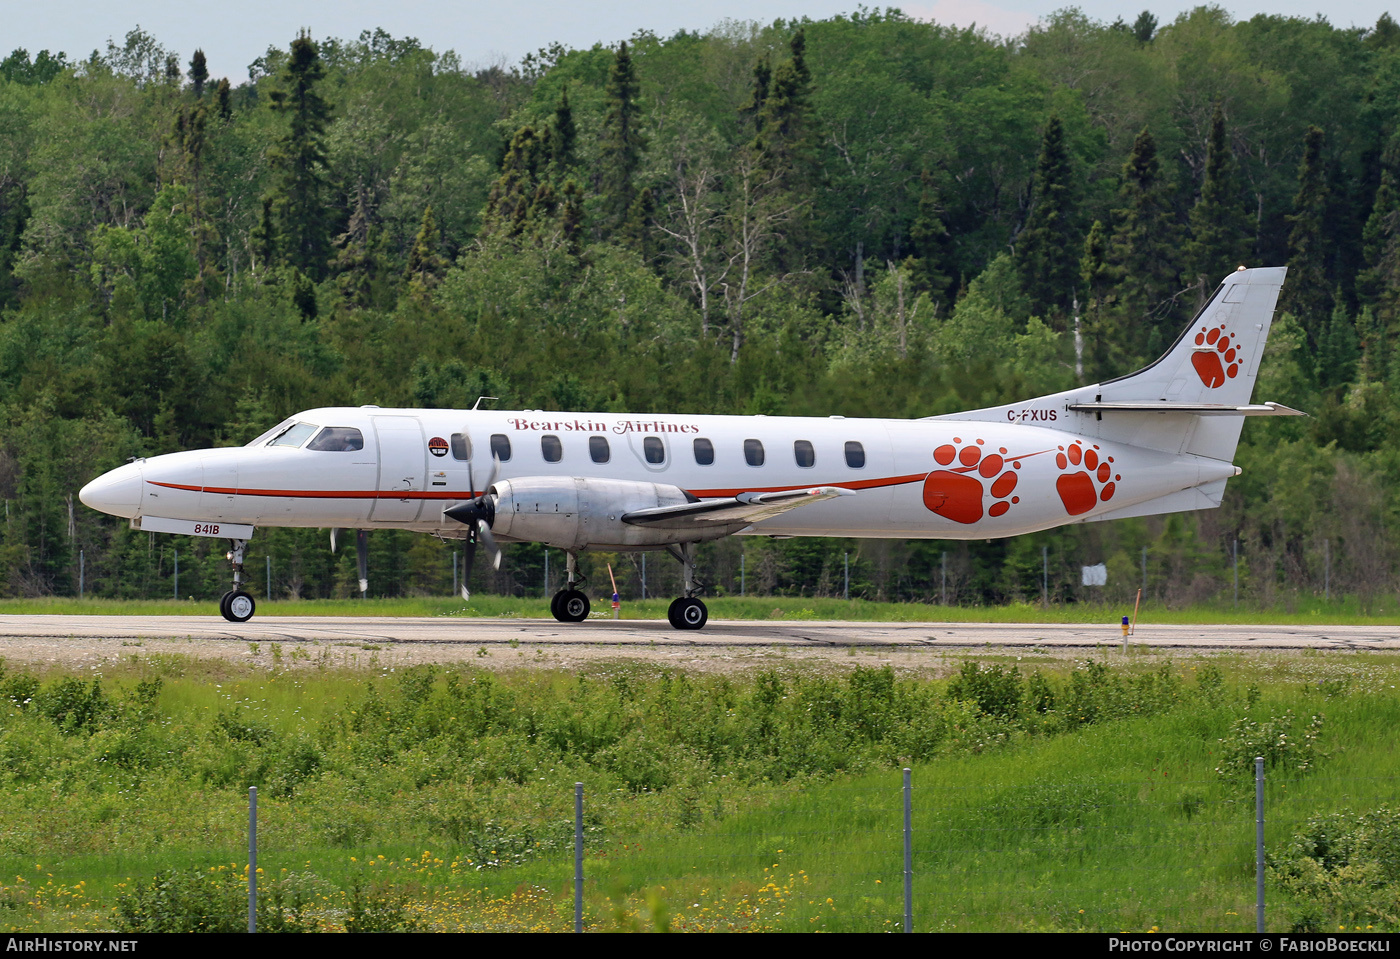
x,y
1073,796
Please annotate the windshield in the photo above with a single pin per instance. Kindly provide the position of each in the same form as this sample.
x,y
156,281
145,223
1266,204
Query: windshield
x,y
295,436
264,437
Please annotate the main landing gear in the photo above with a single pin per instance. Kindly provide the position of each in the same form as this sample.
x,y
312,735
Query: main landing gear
x,y
237,606
687,612
570,605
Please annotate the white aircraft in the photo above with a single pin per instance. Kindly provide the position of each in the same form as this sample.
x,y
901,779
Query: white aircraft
x,y
1157,441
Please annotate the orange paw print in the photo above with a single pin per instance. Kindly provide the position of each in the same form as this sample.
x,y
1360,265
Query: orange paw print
x,y
1091,482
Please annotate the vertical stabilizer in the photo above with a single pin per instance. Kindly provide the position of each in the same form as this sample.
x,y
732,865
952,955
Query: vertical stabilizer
x,y
1193,399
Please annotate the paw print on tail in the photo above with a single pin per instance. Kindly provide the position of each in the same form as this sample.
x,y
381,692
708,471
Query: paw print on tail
x,y
957,492
1216,357
1092,481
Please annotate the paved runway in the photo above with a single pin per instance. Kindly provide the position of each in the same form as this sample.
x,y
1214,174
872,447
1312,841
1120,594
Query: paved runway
x,y
654,634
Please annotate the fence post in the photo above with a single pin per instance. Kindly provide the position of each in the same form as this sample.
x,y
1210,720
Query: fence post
x,y
1327,570
1259,843
578,857
908,856
252,858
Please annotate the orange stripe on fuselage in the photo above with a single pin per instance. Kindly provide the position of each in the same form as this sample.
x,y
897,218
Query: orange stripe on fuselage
x,y
448,494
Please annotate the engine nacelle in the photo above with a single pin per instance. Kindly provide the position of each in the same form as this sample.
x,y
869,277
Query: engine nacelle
x,y
577,512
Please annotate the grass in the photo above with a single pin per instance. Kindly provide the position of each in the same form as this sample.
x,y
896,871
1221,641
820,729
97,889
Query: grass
x,y
442,799
1312,612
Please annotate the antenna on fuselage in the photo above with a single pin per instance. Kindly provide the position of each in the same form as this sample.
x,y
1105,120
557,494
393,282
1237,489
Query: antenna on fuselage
x,y
477,404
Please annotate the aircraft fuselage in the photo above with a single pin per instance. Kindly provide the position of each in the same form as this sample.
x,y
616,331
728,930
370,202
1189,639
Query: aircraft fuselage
x,y
401,468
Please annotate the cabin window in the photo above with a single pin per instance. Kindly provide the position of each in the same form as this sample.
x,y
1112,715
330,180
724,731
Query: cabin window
x,y
598,449
500,446
704,452
653,450
552,449
461,446
855,455
295,436
753,452
337,439
804,454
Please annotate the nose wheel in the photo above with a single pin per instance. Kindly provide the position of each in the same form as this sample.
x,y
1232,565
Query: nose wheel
x,y
237,606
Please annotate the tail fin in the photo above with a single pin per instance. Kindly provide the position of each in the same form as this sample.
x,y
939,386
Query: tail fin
x,y
1216,360
1192,400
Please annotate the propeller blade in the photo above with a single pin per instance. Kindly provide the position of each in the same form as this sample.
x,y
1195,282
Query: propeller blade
x,y
335,539
490,542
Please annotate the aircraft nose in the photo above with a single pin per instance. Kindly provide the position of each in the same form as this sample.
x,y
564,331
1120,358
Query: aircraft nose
x,y
117,492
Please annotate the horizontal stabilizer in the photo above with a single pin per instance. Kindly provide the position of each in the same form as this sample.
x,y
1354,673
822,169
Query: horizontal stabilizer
x,y
1195,409
741,510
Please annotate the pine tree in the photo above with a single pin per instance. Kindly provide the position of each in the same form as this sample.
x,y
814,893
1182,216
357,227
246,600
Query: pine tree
x,y
751,111
199,73
1378,281
1220,229
785,135
1046,246
563,137
637,231
929,239
356,266
224,95
300,161
1306,294
508,205
425,265
1142,250
622,143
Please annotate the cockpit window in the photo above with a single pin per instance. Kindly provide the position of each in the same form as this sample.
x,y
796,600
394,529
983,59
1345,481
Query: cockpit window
x,y
337,439
295,436
262,438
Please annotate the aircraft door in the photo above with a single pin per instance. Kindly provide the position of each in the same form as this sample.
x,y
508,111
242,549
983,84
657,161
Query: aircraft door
x,y
402,468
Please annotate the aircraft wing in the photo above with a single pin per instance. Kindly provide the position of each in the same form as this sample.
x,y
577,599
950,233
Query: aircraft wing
x,y
742,509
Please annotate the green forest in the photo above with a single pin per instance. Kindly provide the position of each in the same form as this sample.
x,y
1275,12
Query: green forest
x,y
869,215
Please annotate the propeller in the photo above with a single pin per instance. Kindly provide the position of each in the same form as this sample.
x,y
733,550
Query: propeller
x,y
478,514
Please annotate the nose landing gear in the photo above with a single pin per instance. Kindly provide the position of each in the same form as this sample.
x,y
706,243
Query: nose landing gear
x,y
237,606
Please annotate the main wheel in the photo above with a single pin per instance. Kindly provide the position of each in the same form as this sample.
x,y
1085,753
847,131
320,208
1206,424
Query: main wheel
x,y
223,605
688,613
238,607
571,606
